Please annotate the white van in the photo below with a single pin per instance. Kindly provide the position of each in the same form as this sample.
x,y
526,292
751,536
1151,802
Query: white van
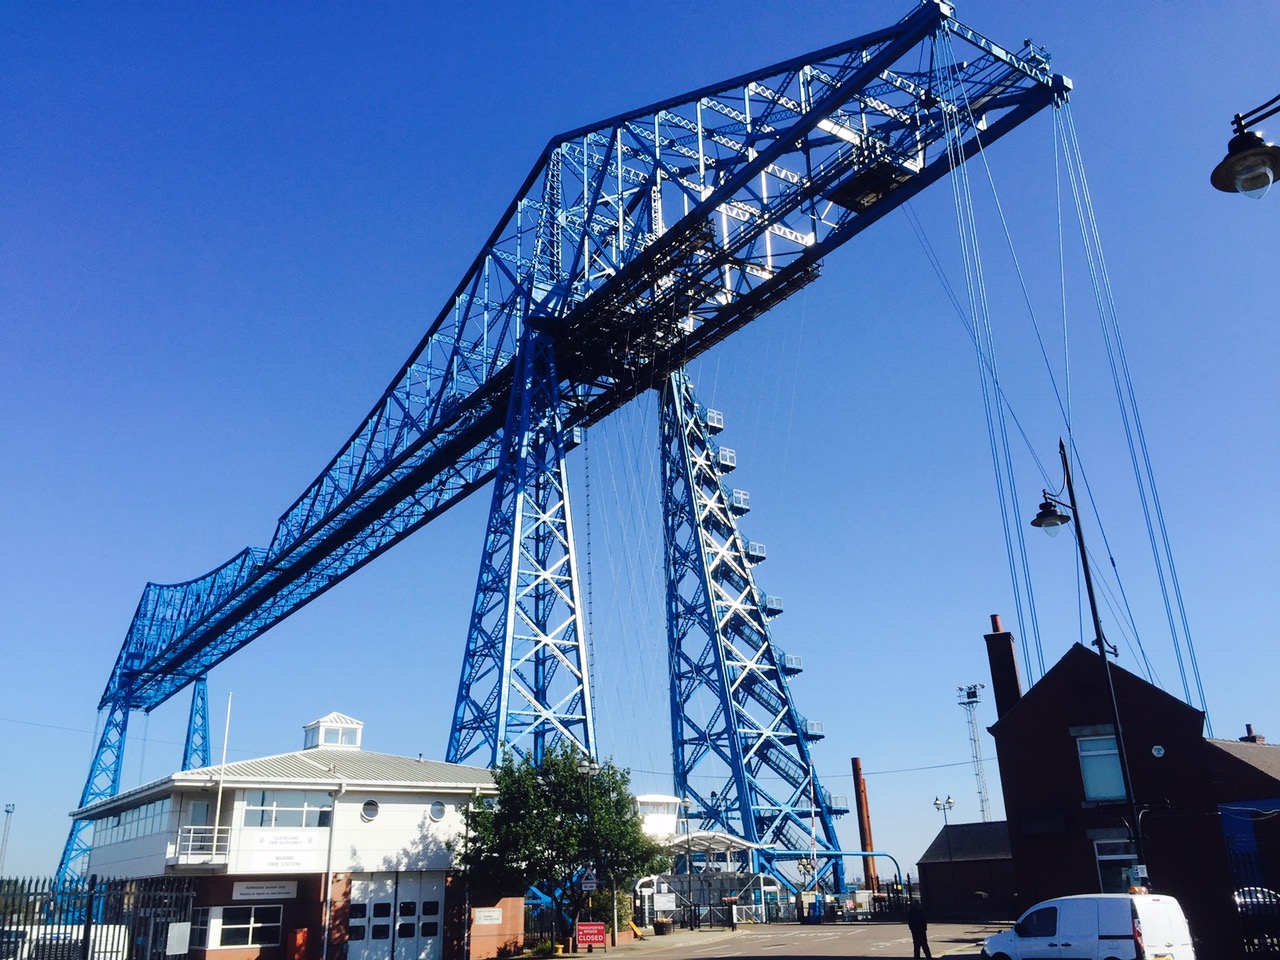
x,y
1100,926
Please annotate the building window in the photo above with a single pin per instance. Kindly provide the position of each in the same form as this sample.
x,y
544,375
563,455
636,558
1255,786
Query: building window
x,y
369,809
287,808
199,928
436,811
144,821
1100,768
257,925
1115,858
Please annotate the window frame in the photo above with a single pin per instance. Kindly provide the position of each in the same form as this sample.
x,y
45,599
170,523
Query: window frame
x,y
1100,770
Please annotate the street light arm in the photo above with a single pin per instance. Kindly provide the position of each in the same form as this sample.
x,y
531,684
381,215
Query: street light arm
x,y
1243,121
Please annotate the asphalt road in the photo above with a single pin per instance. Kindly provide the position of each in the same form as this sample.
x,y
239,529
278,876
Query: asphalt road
x,y
785,941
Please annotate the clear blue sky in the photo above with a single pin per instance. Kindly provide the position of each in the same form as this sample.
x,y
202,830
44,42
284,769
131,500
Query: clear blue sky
x,y
224,226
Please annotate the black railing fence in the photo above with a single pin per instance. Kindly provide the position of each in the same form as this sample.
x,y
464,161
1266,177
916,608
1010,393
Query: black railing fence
x,y
94,919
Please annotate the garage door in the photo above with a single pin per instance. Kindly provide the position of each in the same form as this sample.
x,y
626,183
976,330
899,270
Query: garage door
x,y
395,916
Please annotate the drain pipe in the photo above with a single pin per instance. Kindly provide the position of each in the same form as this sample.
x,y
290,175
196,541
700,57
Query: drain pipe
x,y
328,870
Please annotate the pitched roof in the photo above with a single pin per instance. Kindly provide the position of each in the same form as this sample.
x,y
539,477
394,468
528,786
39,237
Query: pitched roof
x,y
970,841
318,768
1263,757
336,717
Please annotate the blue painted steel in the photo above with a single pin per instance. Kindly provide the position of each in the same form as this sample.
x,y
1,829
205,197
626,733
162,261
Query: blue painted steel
x,y
196,752
103,782
653,235
739,746
525,682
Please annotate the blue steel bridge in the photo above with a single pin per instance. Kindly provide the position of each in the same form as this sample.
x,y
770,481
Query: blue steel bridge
x,y
631,247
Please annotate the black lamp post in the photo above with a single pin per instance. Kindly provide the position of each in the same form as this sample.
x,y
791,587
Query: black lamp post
x,y
1251,164
1049,519
687,804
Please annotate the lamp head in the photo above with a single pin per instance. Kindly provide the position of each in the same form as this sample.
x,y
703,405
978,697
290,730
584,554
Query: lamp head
x,y
1050,518
1250,166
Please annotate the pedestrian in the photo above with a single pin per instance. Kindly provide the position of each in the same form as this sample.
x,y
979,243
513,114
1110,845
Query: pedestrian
x,y
918,926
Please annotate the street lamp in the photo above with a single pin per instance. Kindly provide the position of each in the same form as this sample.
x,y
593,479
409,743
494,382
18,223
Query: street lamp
x,y
1049,519
589,770
1251,164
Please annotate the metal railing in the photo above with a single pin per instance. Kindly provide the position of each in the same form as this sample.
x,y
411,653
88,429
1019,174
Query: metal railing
x,y
202,845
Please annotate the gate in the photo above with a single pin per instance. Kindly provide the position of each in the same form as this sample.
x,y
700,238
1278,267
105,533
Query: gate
x,y
93,919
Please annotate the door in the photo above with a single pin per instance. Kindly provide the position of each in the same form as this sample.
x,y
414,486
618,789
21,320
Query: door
x,y
395,916
1078,930
1037,934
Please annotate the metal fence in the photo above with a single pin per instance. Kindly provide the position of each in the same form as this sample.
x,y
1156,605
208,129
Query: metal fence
x,y
41,919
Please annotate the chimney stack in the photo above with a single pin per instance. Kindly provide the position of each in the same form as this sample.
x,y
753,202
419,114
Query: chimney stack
x,y
1006,682
1250,736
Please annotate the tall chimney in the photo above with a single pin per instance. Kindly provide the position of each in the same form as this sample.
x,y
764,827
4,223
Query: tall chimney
x,y
864,825
1006,682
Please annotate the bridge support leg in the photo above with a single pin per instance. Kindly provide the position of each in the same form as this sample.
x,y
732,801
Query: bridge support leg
x,y
525,684
196,752
103,782
733,720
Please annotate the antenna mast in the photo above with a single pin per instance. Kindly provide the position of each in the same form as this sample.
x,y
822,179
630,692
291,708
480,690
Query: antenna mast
x,y
969,698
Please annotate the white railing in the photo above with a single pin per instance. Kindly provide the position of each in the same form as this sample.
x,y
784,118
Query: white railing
x,y
203,844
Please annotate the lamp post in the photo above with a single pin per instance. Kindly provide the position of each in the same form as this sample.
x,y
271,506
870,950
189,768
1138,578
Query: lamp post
x,y
944,807
588,769
1049,519
1251,164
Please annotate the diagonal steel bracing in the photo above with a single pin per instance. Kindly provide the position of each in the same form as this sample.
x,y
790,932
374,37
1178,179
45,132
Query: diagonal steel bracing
x,y
740,748
652,236
525,683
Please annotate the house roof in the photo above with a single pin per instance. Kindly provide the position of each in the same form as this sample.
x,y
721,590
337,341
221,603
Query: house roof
x,y
336,717
970,841
1263,757
1082,661
317,768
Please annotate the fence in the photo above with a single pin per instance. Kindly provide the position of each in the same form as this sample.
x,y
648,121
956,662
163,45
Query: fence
x,y
94,919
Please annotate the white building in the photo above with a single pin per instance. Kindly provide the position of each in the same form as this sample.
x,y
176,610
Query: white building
x,y
331,852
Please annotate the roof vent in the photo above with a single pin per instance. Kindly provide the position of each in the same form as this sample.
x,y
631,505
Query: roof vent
x,y
1250,736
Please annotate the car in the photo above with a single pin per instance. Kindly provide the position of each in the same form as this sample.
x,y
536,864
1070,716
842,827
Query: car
x,y
1257,900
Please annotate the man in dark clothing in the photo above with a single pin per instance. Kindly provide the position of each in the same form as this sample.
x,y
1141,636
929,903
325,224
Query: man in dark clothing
x,y
918,926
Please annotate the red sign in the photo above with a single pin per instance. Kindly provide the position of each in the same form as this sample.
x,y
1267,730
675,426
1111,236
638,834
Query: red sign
x,y
590,933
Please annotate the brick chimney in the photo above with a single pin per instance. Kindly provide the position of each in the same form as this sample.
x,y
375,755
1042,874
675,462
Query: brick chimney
x,y
1250,736
1006,681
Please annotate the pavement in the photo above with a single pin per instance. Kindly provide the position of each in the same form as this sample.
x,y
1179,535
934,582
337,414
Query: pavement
x,y
873,940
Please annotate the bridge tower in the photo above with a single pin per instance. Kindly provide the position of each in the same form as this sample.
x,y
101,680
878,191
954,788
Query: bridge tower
x,y
525,683
739,746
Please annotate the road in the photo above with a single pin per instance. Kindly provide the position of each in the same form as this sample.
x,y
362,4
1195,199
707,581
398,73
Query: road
x,y
786,941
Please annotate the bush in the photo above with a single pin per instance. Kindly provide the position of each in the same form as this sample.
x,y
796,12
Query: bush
x,y
544,948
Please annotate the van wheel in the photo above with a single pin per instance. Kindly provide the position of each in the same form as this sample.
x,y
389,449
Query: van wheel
x,y
1000,956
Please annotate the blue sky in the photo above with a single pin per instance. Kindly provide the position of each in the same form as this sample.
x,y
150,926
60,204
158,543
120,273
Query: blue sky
x,y
223,228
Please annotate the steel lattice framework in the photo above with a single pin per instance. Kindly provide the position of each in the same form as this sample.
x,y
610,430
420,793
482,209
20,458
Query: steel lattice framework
x,y
524,682
642,241
733,721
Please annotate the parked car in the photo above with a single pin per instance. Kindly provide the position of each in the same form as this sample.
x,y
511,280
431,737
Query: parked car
x,y
1257,900
1102,926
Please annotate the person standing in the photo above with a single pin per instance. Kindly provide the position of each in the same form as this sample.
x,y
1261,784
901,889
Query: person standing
x,y
918,926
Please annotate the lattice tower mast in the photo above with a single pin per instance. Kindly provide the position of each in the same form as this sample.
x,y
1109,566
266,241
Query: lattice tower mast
x,y
969,697
643,241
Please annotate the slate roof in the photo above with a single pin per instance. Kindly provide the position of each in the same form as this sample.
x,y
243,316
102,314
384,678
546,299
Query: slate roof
x,y
318,768
1264,757
970,841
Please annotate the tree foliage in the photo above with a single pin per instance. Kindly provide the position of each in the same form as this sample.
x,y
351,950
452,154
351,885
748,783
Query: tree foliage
x,y
548,823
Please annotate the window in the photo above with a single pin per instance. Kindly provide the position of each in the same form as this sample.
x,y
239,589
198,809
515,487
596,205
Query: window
x,y
436,811
431,929
144,821
1038,923
287,808
431,908
369,809
1100,768
1115,858
239,926
199,928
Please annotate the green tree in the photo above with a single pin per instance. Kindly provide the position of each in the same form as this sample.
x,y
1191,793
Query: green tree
x,y
547,824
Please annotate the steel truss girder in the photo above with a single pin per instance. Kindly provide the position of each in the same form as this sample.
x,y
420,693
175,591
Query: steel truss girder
x,y
733,721
525,684
653,235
